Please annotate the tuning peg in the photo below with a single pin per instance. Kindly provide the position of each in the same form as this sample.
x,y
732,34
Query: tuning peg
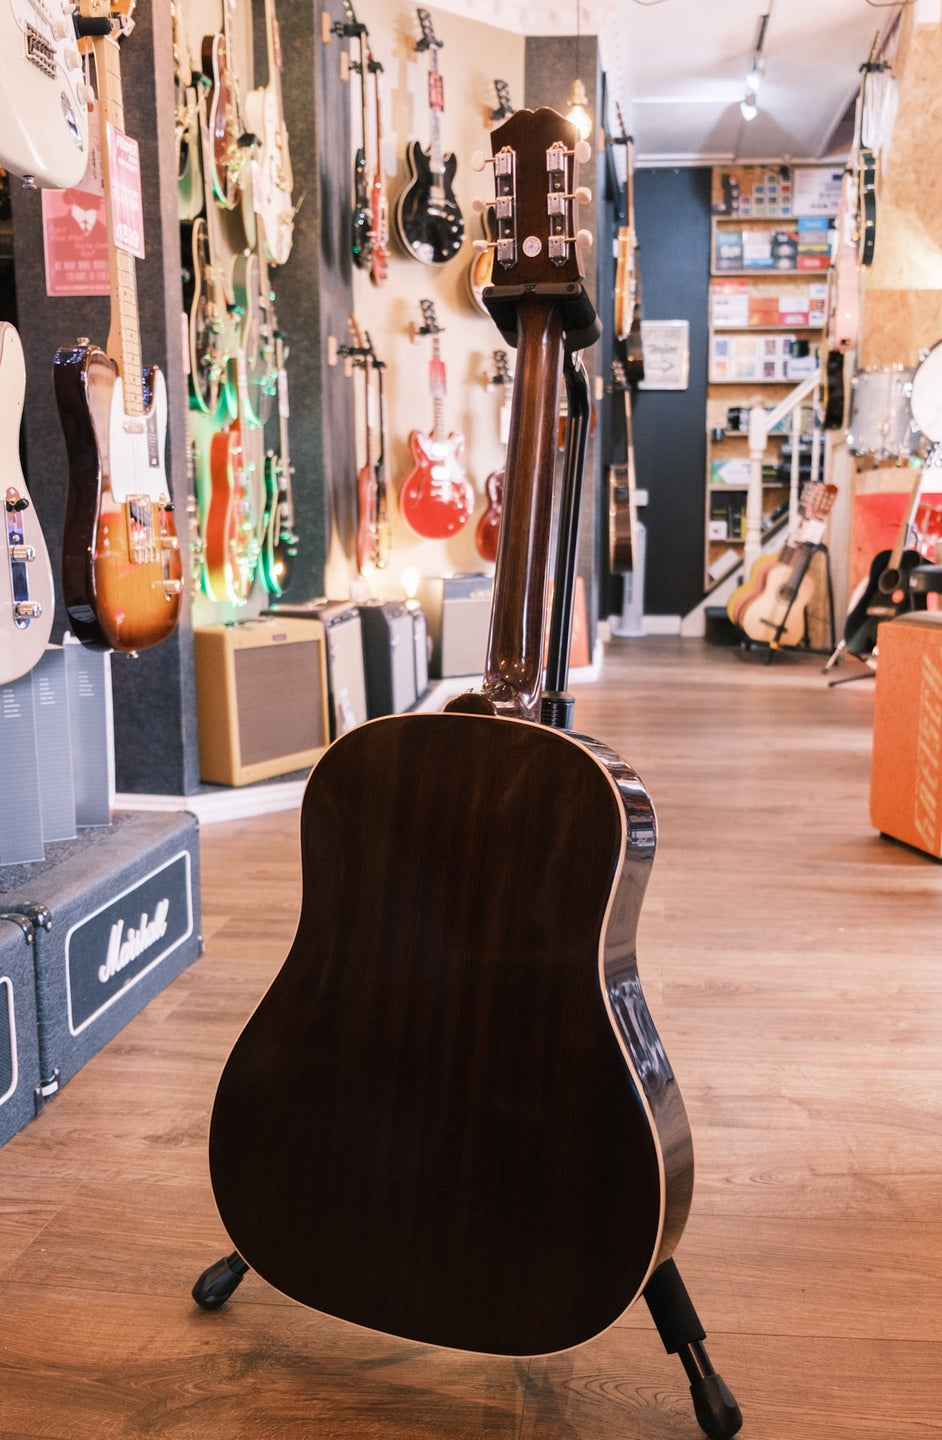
x,y
584,240
582,195
481,247
478,160
582,151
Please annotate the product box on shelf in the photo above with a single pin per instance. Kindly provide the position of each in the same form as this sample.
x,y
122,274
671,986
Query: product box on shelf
x,y
123,907
19,1038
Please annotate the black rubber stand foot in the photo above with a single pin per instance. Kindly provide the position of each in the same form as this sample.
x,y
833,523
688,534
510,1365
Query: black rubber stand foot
x,y
216,1284
715,1407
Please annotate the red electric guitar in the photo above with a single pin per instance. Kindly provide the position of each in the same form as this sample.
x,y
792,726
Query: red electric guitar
x,y
372,525
379,204
488,527
437,498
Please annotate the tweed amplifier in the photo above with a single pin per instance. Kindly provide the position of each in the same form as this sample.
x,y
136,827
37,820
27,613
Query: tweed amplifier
x,y
261,698
458,608
346,674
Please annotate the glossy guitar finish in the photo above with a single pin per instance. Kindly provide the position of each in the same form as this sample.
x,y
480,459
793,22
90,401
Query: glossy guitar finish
x,y
121,566
437,498
428,219
43,95
444,1074
26,593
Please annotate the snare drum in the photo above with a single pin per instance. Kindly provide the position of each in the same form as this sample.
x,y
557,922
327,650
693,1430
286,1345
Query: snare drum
x,y
881,421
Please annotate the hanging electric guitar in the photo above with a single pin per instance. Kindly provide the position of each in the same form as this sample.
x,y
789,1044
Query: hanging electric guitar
x,y
372,543
488,527
207,292
437,497
628,273
272,176
428,220
884,594
379,205
622,507
280,539
452,1103
187,92
121,566
772,607
43,95
26,593
843,304
230,145
361,217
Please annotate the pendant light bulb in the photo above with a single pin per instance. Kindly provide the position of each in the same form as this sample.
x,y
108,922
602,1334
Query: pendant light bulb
x,y
578,113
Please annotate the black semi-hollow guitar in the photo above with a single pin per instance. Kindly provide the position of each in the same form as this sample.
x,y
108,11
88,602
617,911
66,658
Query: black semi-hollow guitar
x,y
428,220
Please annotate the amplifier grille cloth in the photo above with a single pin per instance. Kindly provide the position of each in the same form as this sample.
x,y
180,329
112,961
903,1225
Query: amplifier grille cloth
x,y
279,700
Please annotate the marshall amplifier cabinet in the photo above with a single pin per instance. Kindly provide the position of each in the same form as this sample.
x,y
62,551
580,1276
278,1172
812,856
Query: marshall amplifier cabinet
x,y
389,654
346,673
458,608
122,907
19,1039
261,698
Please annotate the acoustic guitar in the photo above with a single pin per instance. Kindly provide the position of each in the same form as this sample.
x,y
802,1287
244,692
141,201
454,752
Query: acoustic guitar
x,y
121,564
772,606
436,498
428,219
26,594
452,1108
884,593
622,490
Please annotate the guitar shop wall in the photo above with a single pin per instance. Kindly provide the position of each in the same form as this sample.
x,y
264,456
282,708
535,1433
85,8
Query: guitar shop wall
x,y
901,301
672,222
154,690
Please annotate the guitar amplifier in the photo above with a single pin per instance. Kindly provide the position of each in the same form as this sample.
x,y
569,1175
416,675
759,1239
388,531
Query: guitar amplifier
x,y
123,906
420,638
389,656
19,1039
458,608
346,673
261,698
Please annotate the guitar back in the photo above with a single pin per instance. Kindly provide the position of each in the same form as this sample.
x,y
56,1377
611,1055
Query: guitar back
x,y
432,1126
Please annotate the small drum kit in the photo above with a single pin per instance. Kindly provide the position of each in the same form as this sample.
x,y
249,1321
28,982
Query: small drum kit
x,y
894,410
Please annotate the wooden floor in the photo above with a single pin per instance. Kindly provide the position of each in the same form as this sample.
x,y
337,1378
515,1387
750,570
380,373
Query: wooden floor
x,y
792,960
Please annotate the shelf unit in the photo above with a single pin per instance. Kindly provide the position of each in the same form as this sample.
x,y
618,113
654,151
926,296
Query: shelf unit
x,y
768,312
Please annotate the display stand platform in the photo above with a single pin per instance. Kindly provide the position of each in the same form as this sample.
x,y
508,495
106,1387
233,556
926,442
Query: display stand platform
x,y
121,903
19,1037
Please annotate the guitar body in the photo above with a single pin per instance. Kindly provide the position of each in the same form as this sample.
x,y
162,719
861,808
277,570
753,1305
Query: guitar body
x,y
210,328
620,549
776,614
121,568
272,177
437,498
366,516
226,157
450,1118
43,104
428,220
279,543
231,528
835,401
488,527
27,601
885,595
379,229
752,588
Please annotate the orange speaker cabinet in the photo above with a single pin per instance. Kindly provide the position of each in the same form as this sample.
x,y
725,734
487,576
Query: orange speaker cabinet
x,y
261,698
906,771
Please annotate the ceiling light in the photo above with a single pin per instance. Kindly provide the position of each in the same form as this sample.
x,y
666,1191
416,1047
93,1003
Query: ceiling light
x,y
748,108
578,113
756,71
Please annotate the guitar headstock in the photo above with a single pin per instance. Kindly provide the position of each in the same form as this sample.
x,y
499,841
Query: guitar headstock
x,y
818,500
501,372
504,108
619,375
430,325
428,33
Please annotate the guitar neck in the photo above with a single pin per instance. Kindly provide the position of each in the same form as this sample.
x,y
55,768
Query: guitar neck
x,y
896,554
437,379
436,105
124,336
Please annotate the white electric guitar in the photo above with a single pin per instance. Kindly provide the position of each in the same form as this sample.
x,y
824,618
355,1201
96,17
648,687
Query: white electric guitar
x,y
26,594
43,94
272,178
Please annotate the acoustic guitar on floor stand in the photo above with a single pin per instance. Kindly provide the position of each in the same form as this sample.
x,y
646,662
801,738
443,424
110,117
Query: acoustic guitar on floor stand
x,y
452,1108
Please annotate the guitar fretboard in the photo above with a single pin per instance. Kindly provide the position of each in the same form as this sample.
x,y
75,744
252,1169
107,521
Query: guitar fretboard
x,y
124,337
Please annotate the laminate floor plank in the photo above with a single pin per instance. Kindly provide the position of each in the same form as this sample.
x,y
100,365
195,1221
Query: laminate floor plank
x,y
792,961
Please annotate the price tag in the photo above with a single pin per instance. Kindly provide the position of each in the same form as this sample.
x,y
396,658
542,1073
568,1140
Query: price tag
x,y
127,212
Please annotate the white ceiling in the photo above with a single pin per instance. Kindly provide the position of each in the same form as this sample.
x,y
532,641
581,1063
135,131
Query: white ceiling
x,y
678,68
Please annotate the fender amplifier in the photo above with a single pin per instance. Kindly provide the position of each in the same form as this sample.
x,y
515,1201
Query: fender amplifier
x,y
458,608
261,698
389,653
346,674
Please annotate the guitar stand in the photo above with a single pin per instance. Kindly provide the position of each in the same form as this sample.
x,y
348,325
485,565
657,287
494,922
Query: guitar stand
x,y
665,1294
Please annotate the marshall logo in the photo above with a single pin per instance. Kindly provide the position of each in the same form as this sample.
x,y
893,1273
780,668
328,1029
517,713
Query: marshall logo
x,y
122,952
113,949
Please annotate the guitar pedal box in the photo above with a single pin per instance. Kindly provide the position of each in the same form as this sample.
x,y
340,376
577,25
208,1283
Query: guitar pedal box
x,y
346,673
458,608
389,655
122,906
261,698
19,1036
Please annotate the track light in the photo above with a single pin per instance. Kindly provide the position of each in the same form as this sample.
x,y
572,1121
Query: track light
x,y
748,108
